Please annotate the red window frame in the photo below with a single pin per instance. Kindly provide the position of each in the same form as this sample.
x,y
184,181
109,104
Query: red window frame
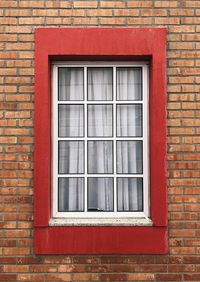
x,y
113,44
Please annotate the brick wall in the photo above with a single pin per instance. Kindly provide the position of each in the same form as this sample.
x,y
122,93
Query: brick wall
x,y
18,20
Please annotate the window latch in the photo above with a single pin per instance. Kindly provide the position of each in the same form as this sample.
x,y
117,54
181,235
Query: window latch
x,y
95,209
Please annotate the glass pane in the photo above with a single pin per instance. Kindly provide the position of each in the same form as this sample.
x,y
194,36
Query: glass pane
x,y
129,156
70,84
70,194
71,157
129,194
70,120
129,120
129,83
100,83
100,194
100,157
99,120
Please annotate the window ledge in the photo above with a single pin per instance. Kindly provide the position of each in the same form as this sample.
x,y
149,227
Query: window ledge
x,y
140,221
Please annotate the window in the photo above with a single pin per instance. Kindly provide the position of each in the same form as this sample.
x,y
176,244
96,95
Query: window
x,y
100,90
100,143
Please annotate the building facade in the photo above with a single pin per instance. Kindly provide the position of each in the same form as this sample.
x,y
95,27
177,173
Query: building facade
x,y
19,21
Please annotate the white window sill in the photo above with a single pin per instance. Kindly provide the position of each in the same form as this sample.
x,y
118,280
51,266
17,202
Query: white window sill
x,y
143,221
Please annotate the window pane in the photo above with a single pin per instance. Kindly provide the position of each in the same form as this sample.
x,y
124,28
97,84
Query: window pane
x,y
129,120
70,120
129,194
100,194
129,83
70,84
71,157
100,83
70,194
100,157
99,120
129,156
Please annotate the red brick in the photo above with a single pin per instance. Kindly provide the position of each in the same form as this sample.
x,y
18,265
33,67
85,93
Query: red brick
x,y
8,277
8,243
167,21
141,277
60,259
181,12
85,4
58,4
17,80
18,29
124,13
6,37
25,243
19,63
7,123
8,89
139,4
17,114
19,19
142,21
43,268
8,140
31,4
86,21
182,28
168,277
31,21
182,250
16,268
191,277
111,4
21,97
8,21
43,13
16,251
8,4
32,277
59,277
111,21
17,13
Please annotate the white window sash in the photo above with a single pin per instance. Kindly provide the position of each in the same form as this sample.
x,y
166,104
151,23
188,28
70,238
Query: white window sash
x,y
145,138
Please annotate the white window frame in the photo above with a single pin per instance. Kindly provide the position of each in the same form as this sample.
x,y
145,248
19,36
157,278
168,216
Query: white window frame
x,y
101,218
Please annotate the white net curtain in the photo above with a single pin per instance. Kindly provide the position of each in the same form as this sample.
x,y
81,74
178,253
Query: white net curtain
x,y
100,153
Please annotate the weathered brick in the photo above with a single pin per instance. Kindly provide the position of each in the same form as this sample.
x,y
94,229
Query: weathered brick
x,y
139,4
141,277
112,21
168,277
18,22
111,4
85,4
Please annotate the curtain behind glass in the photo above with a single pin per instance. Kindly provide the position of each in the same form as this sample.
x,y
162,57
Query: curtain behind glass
x,y
70,194
70,84
71,157
130,194
100,121
100,157
100,194
100,84
129,83
129,157
100,153
129,120
70,120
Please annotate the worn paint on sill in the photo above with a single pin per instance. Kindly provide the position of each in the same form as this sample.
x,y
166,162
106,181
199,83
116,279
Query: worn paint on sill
x,y
100,222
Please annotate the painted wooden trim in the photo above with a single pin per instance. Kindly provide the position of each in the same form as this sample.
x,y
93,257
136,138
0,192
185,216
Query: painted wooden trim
x,y
89,44
101,240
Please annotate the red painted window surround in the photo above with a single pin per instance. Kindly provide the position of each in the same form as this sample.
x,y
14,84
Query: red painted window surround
x,y
126,44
